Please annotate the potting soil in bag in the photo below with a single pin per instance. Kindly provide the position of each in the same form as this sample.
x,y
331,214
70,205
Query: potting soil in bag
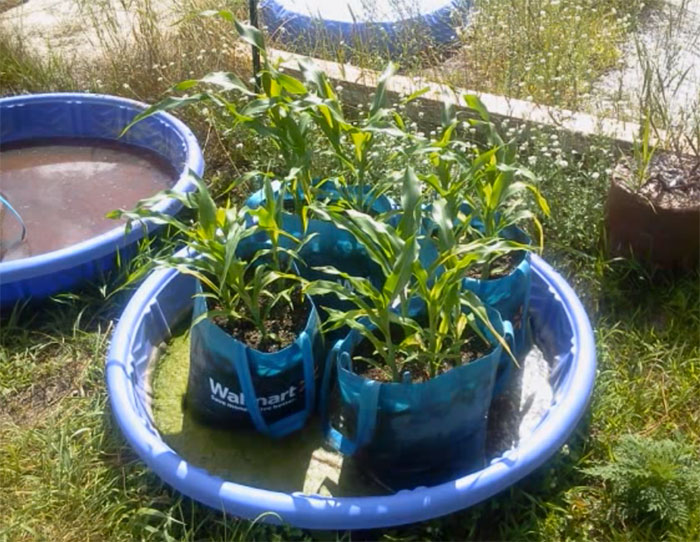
x,y
411,434
234,386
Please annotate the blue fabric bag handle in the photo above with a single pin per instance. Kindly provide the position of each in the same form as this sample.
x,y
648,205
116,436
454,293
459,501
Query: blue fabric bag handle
x,y
23,235
368,402
291,423
325,386
509,334
504,371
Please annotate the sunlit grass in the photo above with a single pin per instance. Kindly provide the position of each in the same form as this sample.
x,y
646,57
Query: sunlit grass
x,y
547,51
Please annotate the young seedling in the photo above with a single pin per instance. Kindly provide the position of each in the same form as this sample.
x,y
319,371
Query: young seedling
x,y
392,317
244,270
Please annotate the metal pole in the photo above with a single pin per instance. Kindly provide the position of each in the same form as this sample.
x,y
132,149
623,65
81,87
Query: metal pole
x,y
253,9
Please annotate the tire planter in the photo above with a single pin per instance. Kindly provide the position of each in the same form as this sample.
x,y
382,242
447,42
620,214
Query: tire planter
x,y
664,236
311,23
407,433
560,326
90,117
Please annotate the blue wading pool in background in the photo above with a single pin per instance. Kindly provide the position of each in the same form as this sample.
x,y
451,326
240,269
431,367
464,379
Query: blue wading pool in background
x,y
90,117
561,329
384,24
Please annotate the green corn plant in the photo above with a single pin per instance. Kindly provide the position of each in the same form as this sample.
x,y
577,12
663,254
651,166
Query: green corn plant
x,y
374,312
243,277
288,113
479,190
448,309
392,317
354,143
394,249
500,183
644,151
303,119
269,217
277,114
643,146
457,256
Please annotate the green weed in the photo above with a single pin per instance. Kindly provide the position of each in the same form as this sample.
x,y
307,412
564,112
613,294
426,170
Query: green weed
x,y
652,481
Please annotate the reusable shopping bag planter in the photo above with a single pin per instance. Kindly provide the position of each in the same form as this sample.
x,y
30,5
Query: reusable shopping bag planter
x,y
329,244
510,296
247,299
234,385
416,324
409,434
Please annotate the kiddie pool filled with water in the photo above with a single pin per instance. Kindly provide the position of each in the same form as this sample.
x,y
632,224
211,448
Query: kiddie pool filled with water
x,y
153,316
63,166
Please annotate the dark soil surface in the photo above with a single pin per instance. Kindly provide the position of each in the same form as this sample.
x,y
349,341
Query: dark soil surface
x,y
501,267
282,327
673,182
472,348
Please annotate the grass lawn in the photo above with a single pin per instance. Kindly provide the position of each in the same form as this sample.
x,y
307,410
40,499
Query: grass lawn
x,y
630,472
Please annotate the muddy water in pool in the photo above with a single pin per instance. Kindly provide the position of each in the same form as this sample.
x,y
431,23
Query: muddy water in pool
x,y
62,189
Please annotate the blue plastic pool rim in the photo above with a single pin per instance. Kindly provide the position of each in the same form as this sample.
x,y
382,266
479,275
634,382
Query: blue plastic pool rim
x,y
115,238
350,18
318,512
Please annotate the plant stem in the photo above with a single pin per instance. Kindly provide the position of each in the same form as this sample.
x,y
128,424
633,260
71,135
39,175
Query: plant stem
x,y
390,350
486,270
432,324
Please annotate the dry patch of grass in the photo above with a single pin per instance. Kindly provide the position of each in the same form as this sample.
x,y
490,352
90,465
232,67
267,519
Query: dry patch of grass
x,y
548,51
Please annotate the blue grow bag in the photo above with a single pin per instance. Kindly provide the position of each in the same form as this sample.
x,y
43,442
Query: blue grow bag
x,y
250,374
413,433
560,326
329,244
308,23
92,117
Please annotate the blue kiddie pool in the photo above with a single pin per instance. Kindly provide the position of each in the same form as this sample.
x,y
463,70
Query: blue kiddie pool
x,y
561,329
383,24
86,119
